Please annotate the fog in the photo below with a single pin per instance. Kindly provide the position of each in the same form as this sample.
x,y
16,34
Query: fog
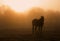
x,y
15,21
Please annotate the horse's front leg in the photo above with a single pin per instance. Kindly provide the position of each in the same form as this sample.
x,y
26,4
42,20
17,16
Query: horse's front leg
x,y
41,28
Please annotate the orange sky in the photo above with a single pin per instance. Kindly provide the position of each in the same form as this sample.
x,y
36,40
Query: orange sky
x,y
22,5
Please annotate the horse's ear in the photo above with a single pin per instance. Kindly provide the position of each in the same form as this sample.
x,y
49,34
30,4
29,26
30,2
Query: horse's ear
x,y
42,16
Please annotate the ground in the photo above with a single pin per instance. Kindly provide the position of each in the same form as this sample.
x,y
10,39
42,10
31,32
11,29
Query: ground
x,y
14,36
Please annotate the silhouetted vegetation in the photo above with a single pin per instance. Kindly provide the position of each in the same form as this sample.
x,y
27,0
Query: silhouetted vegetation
x,y
13,23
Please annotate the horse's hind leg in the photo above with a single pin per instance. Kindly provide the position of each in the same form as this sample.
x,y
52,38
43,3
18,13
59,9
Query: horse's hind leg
x,y
39,28
33,29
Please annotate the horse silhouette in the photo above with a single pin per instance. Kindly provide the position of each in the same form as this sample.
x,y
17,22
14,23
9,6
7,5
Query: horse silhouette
x,y
38,23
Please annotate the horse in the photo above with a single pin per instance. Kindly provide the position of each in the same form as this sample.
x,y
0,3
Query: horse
x,y
38,23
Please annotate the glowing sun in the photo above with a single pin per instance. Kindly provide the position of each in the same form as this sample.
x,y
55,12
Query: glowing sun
x,y
21,5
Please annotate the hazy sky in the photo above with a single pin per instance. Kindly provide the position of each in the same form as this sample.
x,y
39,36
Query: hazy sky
x,y
51,4
22,5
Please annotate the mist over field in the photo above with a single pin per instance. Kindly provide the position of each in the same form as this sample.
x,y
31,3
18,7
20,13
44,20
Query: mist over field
x,y
19,18
13,24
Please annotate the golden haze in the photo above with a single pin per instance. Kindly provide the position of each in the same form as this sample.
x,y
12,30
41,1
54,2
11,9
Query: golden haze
x,y
23,5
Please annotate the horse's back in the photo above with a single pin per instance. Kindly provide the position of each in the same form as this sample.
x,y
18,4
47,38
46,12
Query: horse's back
x,y
35,21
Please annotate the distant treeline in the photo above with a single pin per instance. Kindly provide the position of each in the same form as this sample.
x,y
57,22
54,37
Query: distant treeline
x,y
13,19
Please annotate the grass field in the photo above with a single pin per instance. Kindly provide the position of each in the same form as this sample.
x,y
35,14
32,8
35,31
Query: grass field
x,y
12,35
